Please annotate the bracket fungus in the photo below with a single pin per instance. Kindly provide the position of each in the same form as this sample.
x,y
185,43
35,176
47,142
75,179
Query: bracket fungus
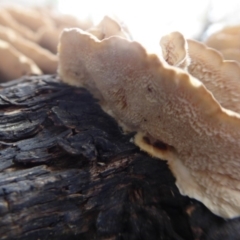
x,y
220,76
174,50
45,60
108,27
227,41
32,35
8,21
231,54
18,63
29,17
228,37
176,117
48,38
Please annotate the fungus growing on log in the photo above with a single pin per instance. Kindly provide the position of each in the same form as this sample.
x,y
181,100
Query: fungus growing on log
x,y
176,117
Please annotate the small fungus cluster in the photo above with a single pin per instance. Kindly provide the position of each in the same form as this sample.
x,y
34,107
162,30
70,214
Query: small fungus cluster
x,y
29,38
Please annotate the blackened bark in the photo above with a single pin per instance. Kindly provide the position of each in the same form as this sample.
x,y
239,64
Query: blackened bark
x,y
68,172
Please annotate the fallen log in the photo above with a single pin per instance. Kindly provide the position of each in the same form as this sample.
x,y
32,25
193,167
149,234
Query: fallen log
x,y
67,171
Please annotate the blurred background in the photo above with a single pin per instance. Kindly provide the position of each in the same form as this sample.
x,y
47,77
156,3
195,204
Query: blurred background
x,y
31,31
148,20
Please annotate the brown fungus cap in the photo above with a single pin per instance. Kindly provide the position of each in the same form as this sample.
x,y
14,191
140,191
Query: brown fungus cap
x,y
108,27
220,76
172,112
175,50
228,37
45,60
71,68
8,21
14,60
223,41
234,29
231,54
48,37
29,17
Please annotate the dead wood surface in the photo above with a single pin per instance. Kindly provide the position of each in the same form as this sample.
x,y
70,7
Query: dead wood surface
x,y
68,172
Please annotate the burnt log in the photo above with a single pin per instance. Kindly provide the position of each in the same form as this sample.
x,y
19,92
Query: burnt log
x,y
67,171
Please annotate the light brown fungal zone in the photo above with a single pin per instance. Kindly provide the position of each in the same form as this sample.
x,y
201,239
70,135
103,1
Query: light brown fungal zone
x,y
175,50
226,38
220,76
176,118
108,27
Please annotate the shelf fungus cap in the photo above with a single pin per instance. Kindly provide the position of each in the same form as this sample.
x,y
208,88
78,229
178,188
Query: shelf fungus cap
x,y
108,27
220,76
8,21
176,117
44,59
231,54
29,17
174,50
222,40
71,68
15,64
